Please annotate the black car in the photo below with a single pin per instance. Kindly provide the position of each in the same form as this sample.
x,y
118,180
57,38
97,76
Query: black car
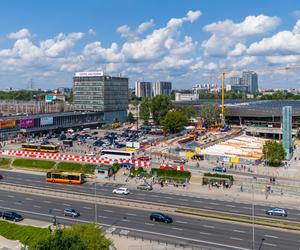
x,y
145,187
10,215
161,217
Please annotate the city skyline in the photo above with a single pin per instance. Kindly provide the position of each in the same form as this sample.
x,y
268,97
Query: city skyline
x,y
183,42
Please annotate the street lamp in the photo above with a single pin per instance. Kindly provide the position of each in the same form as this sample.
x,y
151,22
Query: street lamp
x,y
96,220
253,224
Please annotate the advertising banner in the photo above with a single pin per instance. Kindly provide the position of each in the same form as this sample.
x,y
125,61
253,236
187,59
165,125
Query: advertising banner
x,y
46,121
7,124
26,123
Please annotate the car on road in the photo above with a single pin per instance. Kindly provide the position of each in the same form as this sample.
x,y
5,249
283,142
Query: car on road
x,y
10,215
181,161
121,190
277,211
1,177
145,187
220,169
156,216
127,165
144,158
72,212
90,154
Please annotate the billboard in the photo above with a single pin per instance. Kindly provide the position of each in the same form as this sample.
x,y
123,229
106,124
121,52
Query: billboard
x,y
26,123
46,121
7,124
49,98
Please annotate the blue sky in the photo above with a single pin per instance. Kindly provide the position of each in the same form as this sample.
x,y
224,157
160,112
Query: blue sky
x,y
184,41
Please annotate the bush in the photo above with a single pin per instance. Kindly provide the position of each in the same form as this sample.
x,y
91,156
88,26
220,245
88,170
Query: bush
x,y
171,173
217,177
76,167
5,162
115,167
27,235
137,172
31,163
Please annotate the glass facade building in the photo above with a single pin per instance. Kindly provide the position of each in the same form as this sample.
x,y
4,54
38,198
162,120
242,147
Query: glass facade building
x,y
94,91
250,79
143,89
287,131
162,88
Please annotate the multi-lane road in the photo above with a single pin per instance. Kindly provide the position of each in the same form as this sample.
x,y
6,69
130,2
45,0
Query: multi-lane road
x,y
134,222
105,189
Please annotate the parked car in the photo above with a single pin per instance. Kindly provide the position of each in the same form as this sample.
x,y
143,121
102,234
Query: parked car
x,y
127,165
121,190
145,187
160,217
71,212
181,161
277,211
220,169
10,215
144,158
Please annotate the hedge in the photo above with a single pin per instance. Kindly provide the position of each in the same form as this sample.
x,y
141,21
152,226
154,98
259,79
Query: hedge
x,y
216,175
171,173
5,162
27,235
76,167
31,163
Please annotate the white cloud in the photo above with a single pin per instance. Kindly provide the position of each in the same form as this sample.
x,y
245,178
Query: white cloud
x,y
145,26
22,33
226,34
296,13
282,43
92,32
238,50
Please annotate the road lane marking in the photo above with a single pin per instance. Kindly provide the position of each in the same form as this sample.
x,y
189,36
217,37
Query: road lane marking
x,y
176,228
87,208
198,201
183,199
234,238
1,200
149,224
247,208
108,211
214,203
239,231
65,204
208,207
104,217
182,222
168,197
269,244
29,199
36,206
131,214
208,226
271,236
47,202
155,195
10,196
125,220
204,233
229,205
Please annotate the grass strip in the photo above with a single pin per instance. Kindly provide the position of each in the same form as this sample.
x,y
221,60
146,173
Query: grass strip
x,y
76,167
5,162
33,164
27,235
242,218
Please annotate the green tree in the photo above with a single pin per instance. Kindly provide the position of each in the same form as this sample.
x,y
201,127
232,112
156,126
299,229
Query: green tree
x,y
273,153
189,110
77,237
174,122
145,111
210,114
130,117
160,105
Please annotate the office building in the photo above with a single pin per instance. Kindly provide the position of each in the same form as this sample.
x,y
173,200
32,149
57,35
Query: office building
x,y
162,88
143,89
250,79
239,88
287,131
235,80
94,91
186,97
205,88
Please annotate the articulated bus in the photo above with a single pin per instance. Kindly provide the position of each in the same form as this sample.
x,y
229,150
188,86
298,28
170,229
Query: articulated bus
x,y
64,177
40,148
117,155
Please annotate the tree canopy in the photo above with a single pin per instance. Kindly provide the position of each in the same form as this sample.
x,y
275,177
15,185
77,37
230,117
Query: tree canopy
x,y
130,117
160,105
145,110
174,122
210,114
76,237
273,153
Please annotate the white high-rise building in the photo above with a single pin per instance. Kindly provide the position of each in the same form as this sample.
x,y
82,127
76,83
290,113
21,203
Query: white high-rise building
x,y
162,88
143,89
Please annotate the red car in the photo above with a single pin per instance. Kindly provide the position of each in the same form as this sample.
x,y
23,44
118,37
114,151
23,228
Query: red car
x,y
144,158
